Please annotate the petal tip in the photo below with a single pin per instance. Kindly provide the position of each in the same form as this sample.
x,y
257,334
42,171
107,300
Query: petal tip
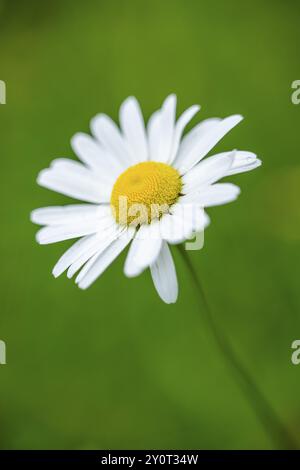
x,y
55,272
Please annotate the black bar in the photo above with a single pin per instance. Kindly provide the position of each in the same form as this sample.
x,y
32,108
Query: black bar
x,y
138,458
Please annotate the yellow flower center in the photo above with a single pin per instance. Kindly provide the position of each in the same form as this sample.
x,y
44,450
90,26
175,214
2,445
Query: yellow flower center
x,y
144,192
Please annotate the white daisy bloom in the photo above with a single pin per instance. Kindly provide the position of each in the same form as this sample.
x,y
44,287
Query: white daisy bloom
x,y
144,186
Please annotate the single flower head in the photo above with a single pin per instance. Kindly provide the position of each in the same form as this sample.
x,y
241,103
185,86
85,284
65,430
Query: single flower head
x,y
146,187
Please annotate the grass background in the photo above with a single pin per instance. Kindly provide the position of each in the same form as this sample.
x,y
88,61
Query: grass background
x,y
113,367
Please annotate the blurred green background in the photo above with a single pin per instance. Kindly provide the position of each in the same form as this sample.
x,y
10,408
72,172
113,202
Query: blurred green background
x,y
113,367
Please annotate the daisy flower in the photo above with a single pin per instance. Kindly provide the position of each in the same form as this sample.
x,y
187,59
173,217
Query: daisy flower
x,y
146,187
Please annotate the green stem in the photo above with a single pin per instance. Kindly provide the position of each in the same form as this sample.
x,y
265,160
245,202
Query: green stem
x,y
264,412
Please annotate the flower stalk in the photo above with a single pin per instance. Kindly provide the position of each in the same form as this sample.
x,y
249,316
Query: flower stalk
x,y
268,417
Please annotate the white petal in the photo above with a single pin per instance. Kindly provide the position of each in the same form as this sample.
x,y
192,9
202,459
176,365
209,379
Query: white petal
x,y
161,131
215,195
108,134
61,215
167,123
153,130
101,242
144,249
74,180
184,221
98,263
133,127
200,130
73,253
206,219
173,229
184,119
57,233
95,156
243,161
202,144
195,134
207,172
164,276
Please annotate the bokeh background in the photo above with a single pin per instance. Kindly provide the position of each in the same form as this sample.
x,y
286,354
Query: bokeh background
x,y
113,367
